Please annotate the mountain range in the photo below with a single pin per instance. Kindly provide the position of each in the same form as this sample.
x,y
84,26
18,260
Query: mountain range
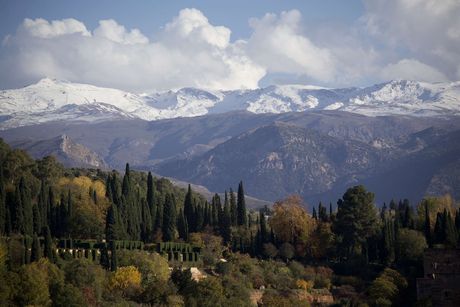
x,y
51,99
401,139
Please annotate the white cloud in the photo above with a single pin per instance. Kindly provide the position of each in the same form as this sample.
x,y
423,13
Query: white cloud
x,y
278,44
411,69
111,30
42,28
411,39
429,29
190,52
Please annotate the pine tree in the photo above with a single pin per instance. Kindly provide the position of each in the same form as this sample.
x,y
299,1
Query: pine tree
x,y
36,249
48,244
242,218
169,218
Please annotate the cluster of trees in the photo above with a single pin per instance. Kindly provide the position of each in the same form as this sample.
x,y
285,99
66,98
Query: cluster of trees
x,y
41,201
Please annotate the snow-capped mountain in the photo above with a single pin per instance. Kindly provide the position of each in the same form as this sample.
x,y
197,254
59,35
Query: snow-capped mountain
x,y
51,99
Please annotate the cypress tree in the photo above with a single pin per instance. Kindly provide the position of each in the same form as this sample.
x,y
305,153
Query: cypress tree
x,y
233,208
36,249
104,261
26,201
42,204
439,229
110,224
159,217
126,188
48,244
314,215
450,233
182,226
330,211
70,206
169,218
199,217
427,227
37,219
114,258
241,206
2,204
189,210
151,198
263,227
17,211
226,224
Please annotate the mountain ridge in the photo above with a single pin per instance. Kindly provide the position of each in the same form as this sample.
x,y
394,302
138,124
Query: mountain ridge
x,y
51,99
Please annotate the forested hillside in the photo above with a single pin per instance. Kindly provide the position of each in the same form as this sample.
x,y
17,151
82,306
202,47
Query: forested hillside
x,y
86,237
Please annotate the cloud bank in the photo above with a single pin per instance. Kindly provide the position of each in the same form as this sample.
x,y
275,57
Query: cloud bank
x,y
191,52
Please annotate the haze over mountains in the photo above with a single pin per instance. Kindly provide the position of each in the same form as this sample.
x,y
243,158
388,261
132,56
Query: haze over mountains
x,y
401,138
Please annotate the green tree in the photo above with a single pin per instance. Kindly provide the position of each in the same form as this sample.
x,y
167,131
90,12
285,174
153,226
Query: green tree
x,y
233,208
36,249
242,218
356,220
169,218
48,244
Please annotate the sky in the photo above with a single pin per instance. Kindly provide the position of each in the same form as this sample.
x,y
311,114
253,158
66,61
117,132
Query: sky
x,y
146,45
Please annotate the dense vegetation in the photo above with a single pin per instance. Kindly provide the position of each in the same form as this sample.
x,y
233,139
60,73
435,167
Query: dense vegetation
x,y
279,256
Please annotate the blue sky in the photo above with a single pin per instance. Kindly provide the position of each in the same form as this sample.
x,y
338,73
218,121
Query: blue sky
x,y
150,15
157,45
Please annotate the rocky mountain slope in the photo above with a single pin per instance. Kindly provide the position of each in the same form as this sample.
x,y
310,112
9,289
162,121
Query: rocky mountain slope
x,y
315,153
55,100
68,152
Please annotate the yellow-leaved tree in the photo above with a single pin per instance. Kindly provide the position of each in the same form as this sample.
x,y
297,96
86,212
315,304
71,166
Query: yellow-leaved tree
x,y
291,223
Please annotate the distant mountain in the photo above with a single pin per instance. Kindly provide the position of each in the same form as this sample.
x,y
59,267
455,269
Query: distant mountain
x,y
68,152
280,159
51,100
317,154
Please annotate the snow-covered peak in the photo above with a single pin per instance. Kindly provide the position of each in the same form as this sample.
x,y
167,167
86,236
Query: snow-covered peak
x,y
52,99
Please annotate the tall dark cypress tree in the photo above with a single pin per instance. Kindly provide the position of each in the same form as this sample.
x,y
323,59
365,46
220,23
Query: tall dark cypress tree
x,y
242,218
151,198
36,249
263,227
147,224
110,224
450,232
189,210
427,227
439,227
42,204
314,215
37,219
113,257
48,244
226,224
182,226
233,208
17,210
26,201
169,218
104,260
2,204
